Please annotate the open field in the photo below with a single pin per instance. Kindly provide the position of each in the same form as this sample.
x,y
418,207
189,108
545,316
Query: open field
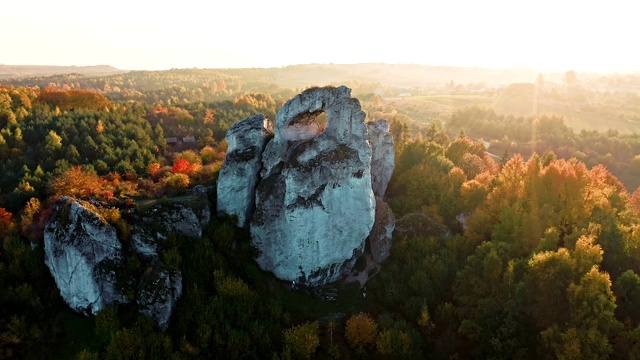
x,y
578,115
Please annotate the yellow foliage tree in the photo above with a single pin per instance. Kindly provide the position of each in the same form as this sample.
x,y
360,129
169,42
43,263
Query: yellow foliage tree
x,y
361,331
301,342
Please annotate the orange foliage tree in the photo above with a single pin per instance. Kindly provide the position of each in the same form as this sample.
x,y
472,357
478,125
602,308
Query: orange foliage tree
x,y
75,182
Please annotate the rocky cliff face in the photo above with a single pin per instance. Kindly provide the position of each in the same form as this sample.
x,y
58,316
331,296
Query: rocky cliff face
x,y
240,172
85,256
83,252
382,156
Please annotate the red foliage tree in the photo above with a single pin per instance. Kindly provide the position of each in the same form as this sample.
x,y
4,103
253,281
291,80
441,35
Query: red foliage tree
x,y
6,222
182,166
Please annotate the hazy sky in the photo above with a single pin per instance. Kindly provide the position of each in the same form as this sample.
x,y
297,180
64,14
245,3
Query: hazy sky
x,y
546,34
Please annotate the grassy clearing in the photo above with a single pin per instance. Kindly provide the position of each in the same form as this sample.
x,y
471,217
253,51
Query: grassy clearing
x,y
424,109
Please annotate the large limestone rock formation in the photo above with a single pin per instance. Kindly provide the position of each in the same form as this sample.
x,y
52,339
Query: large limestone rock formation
x,y
381,234
382,156
240,172
314,203
82,251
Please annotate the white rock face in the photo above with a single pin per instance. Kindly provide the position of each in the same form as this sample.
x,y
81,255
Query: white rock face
x,y
381,234
82,252
382,156
314,203
240,172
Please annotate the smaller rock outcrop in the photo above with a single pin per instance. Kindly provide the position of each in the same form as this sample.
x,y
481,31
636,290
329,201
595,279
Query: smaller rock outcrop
x,y
83,253
418,224
382,155
382,231
240,172
154,224
158,293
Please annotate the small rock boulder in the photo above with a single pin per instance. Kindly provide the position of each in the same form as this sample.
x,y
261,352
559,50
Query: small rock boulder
x,y
418,224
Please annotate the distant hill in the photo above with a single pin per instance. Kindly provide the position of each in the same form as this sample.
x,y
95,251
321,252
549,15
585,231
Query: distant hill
x,y
395,75
25,71
296,76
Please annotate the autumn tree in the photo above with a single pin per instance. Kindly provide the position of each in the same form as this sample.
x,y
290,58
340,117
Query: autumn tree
x,y
301,342
153,169
6,222
75,182
361,331
52,142
29,213
208,117
592,324
74,99
182,166
176,181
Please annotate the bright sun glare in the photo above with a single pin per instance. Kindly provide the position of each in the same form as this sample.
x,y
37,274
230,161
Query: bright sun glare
x,y
129,35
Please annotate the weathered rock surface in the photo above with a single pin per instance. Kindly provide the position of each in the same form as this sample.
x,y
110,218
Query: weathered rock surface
x,y
314,203
382,231
158,293
382,156
82,252
240,172
84,255
159,289
153,225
